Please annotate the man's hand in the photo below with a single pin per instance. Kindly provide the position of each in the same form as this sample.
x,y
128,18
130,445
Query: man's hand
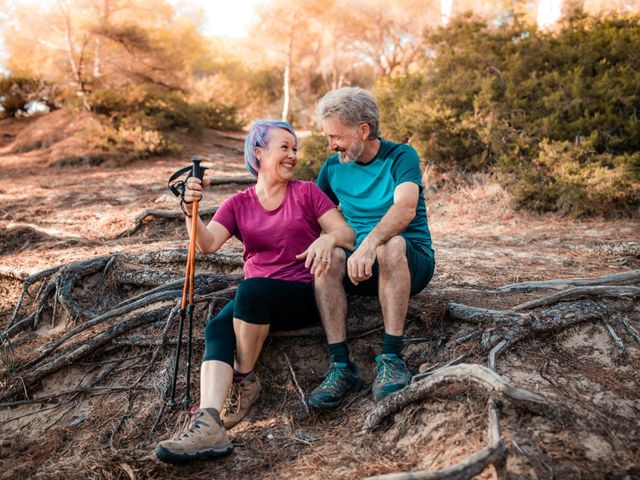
x,y
360,264
318,255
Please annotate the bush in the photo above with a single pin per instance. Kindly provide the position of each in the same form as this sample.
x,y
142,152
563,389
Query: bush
x,y
524,103
312,154
17,92
142,120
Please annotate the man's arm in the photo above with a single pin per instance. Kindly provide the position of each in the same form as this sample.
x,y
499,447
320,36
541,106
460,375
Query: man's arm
x,y
395,221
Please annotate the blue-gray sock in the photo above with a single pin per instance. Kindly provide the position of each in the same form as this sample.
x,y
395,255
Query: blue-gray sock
x,y
392,344
339,351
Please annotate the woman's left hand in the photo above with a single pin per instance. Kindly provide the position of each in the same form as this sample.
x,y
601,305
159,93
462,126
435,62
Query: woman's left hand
x,y
318,255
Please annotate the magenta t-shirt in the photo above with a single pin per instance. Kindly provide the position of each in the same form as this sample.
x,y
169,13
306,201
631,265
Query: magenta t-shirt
x,y
272,239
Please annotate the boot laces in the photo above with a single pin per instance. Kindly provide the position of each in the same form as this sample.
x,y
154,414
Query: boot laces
x,y
332,377
384,369
232,403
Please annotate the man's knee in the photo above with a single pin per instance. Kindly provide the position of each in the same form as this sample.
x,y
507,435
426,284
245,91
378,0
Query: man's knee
x,y
336,268
392,253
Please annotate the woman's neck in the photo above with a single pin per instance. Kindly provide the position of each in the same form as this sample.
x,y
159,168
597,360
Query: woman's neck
x,y
270,192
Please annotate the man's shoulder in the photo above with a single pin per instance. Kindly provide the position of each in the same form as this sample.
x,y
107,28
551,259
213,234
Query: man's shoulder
x,y
395,150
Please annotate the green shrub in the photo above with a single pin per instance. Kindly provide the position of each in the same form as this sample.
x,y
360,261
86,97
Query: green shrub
x,y
142,120
312,154
523,103
17,92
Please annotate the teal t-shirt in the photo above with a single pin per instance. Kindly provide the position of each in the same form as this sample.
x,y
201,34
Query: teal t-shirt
x,y
365,190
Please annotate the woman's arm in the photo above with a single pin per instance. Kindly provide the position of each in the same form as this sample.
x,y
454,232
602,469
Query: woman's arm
x,y
209,238
336,233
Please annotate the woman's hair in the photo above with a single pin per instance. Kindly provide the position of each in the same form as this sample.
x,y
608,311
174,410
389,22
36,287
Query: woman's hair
x,y
353,106
258,136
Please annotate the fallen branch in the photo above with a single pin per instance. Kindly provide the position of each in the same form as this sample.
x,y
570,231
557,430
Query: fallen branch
x,y
139,219
303,397
580,292
493,454
616,278
478,374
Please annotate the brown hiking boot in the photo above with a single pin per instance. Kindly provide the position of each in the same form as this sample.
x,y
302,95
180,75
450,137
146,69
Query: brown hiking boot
x,y
241,396
205,438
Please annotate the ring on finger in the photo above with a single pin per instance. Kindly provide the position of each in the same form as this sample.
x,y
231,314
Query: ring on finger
x,y
325,260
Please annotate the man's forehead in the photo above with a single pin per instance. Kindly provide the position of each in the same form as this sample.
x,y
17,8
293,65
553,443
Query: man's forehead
x,y
334,125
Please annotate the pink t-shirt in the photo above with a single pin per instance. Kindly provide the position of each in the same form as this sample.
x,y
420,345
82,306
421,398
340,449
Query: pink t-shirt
x,y
272,239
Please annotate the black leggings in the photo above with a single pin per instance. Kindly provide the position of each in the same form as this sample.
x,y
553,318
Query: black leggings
x,y
282,304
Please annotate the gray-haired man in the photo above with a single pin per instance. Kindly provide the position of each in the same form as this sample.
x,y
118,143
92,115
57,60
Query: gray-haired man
x,y
379,187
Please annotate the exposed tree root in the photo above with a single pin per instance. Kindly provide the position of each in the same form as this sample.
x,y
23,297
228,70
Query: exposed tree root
x,y
482,376
493,454
96,331
504,328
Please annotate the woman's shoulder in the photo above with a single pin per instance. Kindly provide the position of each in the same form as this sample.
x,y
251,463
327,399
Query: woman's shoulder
x,y
242,198
305,186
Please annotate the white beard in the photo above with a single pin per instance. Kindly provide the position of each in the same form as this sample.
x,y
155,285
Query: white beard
x,y
352,154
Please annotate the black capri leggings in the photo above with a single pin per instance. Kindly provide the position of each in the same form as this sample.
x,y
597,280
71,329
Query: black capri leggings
x,y
282,304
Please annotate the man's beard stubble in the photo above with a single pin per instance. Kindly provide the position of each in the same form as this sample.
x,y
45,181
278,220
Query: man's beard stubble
x,y
353,153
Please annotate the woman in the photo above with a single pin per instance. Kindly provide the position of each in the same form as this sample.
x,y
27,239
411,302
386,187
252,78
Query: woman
x,y
279,221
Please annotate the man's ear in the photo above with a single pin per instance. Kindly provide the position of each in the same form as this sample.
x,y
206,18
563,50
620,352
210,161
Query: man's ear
x,y
364,130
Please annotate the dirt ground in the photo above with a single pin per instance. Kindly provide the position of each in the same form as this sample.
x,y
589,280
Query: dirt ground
x,y
51,215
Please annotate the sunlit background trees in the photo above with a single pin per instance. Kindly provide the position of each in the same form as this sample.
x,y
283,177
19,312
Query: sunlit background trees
x,y
542,94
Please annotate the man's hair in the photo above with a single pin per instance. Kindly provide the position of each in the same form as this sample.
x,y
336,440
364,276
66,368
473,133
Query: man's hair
x,y
353,106
258,136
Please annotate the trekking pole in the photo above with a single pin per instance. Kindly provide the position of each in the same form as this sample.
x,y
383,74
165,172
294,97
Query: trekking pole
x,y
198,173
187,305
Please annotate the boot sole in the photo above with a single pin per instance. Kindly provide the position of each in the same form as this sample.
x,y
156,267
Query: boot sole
x,y
336,403
168,456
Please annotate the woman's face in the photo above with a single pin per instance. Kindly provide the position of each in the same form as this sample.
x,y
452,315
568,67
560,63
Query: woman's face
x,y
279,157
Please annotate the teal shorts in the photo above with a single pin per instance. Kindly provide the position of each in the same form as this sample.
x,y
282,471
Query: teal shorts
x,y
421,268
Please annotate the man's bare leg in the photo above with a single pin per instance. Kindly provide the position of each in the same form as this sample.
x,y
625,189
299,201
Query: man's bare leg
x,y
332,299
343,376
394,284
394,288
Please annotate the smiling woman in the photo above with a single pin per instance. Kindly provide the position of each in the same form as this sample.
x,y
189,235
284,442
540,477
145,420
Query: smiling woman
x,y
280,222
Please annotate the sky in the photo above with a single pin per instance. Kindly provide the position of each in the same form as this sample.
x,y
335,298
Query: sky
x,y
223,18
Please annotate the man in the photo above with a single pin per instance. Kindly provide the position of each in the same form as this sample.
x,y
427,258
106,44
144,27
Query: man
x,y
378,185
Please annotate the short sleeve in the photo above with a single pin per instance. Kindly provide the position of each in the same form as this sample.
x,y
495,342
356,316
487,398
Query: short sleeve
x,y
406,167
319,201
226,216
323,183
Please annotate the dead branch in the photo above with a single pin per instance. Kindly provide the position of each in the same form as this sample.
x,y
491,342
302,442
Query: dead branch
x,y
598,291
632,331
615,337
464,372
493,454
139,219
617,278
295,381
214,182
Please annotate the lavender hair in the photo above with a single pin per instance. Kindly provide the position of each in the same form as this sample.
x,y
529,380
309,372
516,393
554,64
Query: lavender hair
x,y
258,136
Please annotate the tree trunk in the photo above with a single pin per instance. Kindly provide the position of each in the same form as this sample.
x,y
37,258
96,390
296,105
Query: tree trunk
x,y
287,69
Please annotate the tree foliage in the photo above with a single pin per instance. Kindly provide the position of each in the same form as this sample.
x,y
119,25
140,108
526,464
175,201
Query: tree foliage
x,y
554,114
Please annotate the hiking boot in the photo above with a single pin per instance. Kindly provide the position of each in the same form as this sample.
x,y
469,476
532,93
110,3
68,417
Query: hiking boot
x,y
340,379
391,375
205,438
241,396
